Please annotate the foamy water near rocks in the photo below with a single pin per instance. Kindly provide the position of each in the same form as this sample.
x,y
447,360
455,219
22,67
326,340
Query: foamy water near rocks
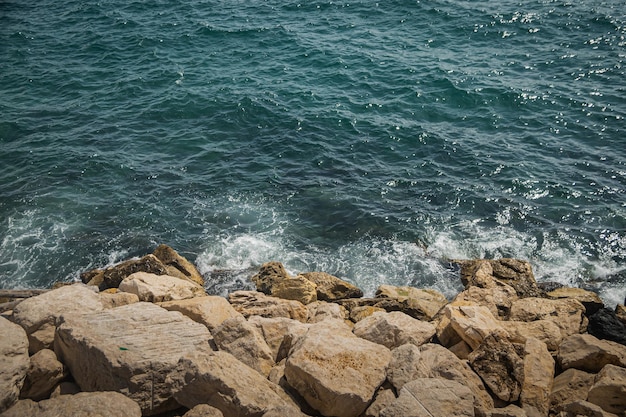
x,y
154,343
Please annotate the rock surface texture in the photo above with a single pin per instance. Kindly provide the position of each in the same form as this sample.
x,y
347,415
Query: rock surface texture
x,y
14,362
156,288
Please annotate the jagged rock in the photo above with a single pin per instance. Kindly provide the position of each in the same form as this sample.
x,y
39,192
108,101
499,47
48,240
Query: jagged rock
x,y
44,373
405,366
497,299
117,299
383,399
589,299
588,353
84,404
336,372
37,315
605,324
496,361
570,385
220,380
538,376
431,397
322,310
331,288
508,411
545,330
253,303
359,313
242,340
581,408
446,334
210,310
425,303
609,389
13,362
461,350
111,277
269,275
177,265
157,288
568,314
203,410
65,388
473,323
279,333
277,376
394,329
129,349
486,273
297,288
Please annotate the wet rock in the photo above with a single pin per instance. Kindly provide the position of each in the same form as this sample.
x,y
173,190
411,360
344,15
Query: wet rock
x,y
570,385
486,273
605,324
44,373
590,354
210,310
297,288
336,372
568,314
538,376
331,288
177,265
424,303
609,389
253,303
129,349
269,275
158,288
589,299
394,329
14,362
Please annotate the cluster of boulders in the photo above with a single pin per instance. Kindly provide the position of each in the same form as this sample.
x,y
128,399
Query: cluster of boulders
x,y
144,338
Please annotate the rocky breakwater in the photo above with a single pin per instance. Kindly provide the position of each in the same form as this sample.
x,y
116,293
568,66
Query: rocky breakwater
x,y
144,338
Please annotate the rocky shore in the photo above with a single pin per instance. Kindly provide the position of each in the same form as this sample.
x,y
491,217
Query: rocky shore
x,y
144,338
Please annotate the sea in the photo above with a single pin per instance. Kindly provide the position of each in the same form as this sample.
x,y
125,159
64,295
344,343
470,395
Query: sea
x,y
377,141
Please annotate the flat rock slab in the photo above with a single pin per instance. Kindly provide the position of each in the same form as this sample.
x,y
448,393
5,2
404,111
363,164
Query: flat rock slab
x,y
14,362
84,404
129,349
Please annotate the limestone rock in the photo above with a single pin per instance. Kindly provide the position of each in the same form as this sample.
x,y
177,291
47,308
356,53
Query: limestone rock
x,y
203,410
336,372
178,265
384,398
44,373
487,273
589,299
13,362
117,299
84,404
297,288
425,303
570,385
359,313
508,411
446,334
158,288
283,411
581,408
394,329
331,288
461,350
588,353
431,397
210,310
129,349
546,331
538,378
279,333
609,389
37,315
497,299
253,303
605,324
473,323
321,310
269,275
220,380
405,366
113,276
568,314
242,340
500,367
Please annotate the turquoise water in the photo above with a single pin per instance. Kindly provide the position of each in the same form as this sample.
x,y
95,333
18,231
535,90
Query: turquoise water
x,y
369,140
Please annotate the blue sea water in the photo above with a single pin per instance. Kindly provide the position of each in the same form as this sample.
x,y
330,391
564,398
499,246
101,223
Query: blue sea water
x,y
371,140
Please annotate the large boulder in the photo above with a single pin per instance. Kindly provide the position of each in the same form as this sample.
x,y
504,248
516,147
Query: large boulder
x,y
177,265
568,386
112,276
331,288
37,315
270,274
203,410
253,303
221,381
279,333
157,288
538,378
117,299
129,349
497,299
589,299
394,329
609,389
14,362
568,314
581,408
431,397
590,354
473,323
297,288
210,310
384,398
84,404
424,303
44,373
605,324
488,273
322,310
546,331
242,340
336,372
